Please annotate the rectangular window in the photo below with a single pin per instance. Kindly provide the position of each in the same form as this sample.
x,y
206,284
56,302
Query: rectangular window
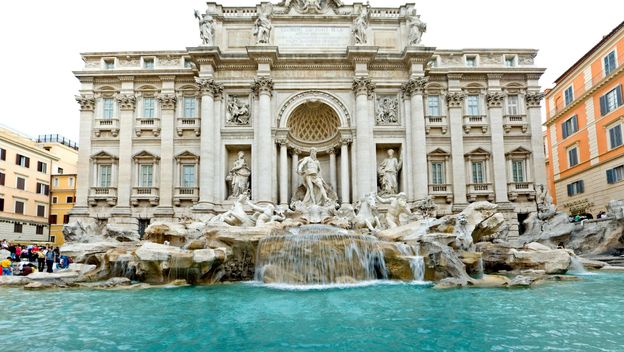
x,y
472,105
148,64
568,95
611,101
512,105
573,156
478,172
71,182
19,207
104,175
53,219
21,160
610,63
437,173
615,136
189,107
188,63
575,188
70,200
60,170
433,105
510,61
1,204
41,210
569,126
54,200
42,188
146,172
615,175
39,230
108,106
2,154
42,167
109,64
21,183
2,178
66,219
55,182
17,228
471,61
517,167
149,105
188,175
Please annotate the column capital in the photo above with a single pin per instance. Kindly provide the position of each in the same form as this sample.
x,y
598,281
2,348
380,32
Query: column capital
x,y
87,102
346,140
208,86
126,102
363,85
414,86
167,101
495,99
282,142
295,151
533,99
262,85
455,99
331,151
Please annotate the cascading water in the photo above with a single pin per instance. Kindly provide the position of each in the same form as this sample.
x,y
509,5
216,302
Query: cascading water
x,y
576,267
319,255
417,262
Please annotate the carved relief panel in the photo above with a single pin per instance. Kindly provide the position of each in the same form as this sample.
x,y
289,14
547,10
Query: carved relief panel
x,y
387,110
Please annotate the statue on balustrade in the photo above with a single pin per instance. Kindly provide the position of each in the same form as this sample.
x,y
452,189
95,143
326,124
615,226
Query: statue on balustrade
x,y
239,177
388,172
206,28
262,28
416,28
360,25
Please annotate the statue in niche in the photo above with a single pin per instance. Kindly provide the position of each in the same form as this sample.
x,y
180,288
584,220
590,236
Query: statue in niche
x,y
387,111
310,170
416,28
360,25
388,172
398,207
206,28
238,112
262,28
239,177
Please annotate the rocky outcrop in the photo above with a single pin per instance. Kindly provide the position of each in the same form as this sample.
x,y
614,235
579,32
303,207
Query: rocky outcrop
x,y
499,256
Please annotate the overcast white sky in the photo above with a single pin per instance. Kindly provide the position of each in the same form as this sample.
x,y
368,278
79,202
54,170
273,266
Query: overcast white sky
x,y
41,41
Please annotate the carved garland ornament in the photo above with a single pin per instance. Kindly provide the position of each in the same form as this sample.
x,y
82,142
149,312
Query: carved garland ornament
x,y
126,101
208,86
363,85
262,85
87,102
495,99
455,99
167,101
533,99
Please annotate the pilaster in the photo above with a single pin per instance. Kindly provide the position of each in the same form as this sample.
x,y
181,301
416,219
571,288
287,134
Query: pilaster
x,y
126,102
365,146
455,104
533,103
495,101
418,147
87,109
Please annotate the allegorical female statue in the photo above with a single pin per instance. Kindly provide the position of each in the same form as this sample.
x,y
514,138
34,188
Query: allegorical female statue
x,y
388,172
206,28
416,28
239,176
359,27
262,28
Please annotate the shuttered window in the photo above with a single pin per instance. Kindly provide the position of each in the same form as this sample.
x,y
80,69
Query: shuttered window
x,y
611,101
615,175
610,63
569,126
573,156
568,95
575,188
615,136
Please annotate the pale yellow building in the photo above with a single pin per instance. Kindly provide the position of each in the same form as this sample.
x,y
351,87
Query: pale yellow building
x,y
62,198
25,170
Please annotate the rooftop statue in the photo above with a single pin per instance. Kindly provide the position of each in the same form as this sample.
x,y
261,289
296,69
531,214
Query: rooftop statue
x,y
360,25
206,28
262,28
416,28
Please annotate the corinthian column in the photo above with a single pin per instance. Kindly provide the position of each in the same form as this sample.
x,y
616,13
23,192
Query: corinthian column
x,y
332,168
207,160
344,170
283,171
418,149
167,121
455,103
365,148
126,103
263,89
295,174
87,107
495,112
535,121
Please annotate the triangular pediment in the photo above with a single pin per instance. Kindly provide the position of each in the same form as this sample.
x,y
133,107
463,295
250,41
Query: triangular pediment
x,y
145,155
438,151
186,155
478,151
519,151
102,155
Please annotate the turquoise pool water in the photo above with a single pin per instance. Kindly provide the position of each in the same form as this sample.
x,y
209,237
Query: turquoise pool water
x,y
566,316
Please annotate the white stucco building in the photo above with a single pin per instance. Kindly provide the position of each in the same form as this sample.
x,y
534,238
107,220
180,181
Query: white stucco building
x,y
160,131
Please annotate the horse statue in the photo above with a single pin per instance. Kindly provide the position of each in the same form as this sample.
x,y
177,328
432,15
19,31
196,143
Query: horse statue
x,y
367,217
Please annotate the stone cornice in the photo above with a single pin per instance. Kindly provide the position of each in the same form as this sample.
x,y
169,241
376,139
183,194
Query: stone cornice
x,y
262,85
127,102
87,102
363,85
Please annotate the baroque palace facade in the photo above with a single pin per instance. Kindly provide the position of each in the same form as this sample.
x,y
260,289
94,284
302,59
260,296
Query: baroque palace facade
x,y
168,134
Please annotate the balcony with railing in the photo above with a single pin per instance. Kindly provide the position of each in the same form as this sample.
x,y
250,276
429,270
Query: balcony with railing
x,y
149,125
106,125
515,189
475,190
511,121
440,122
106,194
441,190
186,194
476,121
187,124
149,194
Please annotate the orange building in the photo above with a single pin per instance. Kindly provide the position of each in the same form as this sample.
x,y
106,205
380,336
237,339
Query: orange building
x,y
585,129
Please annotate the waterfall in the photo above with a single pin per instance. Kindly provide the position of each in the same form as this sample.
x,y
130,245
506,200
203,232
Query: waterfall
x,y
576,267
417,262
319,255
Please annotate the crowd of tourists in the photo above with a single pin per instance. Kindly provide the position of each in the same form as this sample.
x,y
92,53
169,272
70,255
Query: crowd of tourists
x,y
24,260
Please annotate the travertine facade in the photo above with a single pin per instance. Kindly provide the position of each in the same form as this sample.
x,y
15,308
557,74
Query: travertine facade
x,y
161,131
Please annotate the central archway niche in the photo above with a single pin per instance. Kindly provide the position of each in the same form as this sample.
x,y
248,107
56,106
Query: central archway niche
x,y
314,120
